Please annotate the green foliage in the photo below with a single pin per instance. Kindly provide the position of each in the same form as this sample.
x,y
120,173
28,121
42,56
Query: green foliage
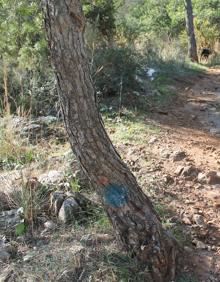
x,y
20,228
101,14
140,23
115,70
14,151
24,54
74,185
33,199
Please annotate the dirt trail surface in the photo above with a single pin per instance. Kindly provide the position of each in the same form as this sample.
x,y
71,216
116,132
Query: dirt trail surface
x,y
188,152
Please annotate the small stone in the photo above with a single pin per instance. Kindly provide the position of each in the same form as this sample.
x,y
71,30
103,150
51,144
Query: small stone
x,y
49,225
51,177
213,177
179,170
168,179
202,178
165,154
178,156
28,257
152,140
87,239
186,220
70,210
190,172
56,201
199,244
199,220
188,249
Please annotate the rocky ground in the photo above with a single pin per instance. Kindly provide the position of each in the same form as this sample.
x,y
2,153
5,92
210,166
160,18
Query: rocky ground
x,y
174,152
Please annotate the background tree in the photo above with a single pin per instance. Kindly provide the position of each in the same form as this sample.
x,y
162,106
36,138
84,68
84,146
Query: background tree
x,y
130,211
192,47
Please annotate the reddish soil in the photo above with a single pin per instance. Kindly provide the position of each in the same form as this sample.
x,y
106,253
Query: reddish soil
x,y
192,124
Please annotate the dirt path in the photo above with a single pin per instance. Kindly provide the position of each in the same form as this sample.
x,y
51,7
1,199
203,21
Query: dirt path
x,y
191,125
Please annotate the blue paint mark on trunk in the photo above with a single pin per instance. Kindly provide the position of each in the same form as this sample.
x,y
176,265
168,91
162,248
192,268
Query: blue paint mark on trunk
x,y
115,195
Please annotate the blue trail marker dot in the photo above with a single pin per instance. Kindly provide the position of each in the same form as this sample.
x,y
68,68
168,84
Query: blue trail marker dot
x,y
115,195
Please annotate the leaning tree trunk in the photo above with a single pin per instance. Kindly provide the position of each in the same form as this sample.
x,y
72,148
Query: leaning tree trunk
x,y
192,48
130,211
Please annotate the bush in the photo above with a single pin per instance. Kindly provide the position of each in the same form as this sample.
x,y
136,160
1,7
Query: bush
x,y
115,69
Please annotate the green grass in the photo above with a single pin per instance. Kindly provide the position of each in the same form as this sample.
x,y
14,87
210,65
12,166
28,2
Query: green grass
x,y
130,128
176,229
99,220
14,151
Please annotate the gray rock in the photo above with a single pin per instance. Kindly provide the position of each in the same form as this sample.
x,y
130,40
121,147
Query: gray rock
x,y
213,177
178,156
30,128
49,225
199,220
152,140
190,172
70,210
46,120
199,244
179,170
56,201
165,154
29,256
188,249
186,220
51,177
202,178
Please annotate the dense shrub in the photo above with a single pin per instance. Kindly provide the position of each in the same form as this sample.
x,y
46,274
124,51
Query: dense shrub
x,y
115,69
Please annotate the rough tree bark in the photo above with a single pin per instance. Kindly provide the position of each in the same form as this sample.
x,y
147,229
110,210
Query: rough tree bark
x,y
130,211
192,48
